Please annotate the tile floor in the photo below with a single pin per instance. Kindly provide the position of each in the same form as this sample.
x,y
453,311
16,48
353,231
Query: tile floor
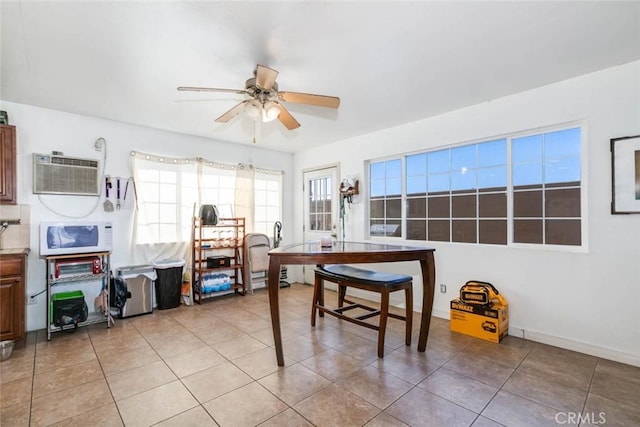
x,y
214,364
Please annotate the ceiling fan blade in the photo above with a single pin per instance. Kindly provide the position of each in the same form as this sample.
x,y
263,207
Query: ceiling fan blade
x,y
287,119
310,98
265,77
232,112
211,89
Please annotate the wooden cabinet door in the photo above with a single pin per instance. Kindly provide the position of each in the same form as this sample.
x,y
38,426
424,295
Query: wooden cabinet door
x,y
11,308
12,274
8,171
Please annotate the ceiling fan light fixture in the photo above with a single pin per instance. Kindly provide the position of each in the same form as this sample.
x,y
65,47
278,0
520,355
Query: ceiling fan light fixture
x,y
270,111
254,109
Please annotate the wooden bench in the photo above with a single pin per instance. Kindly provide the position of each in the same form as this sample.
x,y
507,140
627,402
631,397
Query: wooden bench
x,y
382,283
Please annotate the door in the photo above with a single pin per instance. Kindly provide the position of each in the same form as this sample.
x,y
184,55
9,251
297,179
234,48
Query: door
x,y
321,206
8,189
10,303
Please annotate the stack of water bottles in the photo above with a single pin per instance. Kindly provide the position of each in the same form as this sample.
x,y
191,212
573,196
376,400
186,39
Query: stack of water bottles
x,y
215,282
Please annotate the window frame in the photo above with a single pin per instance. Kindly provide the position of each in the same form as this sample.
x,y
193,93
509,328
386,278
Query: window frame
x,y
203,174
267,206
153,230
583,185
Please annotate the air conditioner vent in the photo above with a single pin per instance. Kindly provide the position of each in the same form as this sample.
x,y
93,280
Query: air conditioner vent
x,y
69,161
65,175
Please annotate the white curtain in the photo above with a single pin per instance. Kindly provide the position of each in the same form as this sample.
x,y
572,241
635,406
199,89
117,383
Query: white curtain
x,y
169,192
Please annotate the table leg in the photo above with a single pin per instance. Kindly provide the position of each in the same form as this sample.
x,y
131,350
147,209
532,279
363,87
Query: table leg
x,y
274,287
428,267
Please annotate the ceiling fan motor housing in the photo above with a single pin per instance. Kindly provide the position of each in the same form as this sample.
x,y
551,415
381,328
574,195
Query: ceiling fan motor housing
x,y
260,93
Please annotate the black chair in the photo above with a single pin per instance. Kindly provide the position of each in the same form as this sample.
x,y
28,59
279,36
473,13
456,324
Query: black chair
x,y
382,283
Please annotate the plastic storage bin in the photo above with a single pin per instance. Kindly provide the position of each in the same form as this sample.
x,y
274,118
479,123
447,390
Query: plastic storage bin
x,y
168,282
68,308
138,281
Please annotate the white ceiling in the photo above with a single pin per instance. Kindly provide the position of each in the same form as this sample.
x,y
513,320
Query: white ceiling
x,y
389,62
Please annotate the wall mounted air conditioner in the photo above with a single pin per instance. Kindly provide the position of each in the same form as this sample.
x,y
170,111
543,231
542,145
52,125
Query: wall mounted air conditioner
x,y
55,174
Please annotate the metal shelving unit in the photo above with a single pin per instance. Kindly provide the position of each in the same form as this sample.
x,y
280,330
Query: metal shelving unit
x,y
53,283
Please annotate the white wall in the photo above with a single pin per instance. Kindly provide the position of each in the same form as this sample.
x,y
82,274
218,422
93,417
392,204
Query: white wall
x,y
42,131
587,301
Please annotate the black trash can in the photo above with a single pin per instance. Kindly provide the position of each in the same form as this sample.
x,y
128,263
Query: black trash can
x,y
168,282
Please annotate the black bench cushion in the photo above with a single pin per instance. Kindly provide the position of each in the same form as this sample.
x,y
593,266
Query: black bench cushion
x,y
346,272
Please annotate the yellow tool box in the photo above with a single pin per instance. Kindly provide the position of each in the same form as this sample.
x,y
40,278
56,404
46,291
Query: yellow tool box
x,y
480,293
487,318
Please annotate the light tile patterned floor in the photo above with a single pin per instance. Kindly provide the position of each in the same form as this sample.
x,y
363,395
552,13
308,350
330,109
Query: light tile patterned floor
x,y
215,364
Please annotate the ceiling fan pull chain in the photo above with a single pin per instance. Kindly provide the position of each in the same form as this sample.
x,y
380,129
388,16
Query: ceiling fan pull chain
x,y
257,130
255,123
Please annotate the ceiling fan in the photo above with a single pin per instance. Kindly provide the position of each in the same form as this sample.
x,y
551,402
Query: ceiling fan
x,y
264,100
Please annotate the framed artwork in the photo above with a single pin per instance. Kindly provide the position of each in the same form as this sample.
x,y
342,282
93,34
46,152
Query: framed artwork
x,y
625,175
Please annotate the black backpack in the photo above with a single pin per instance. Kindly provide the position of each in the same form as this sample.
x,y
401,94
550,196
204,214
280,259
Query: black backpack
x,y
118,293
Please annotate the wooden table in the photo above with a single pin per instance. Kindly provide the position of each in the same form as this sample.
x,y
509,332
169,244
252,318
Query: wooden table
x,y
350,253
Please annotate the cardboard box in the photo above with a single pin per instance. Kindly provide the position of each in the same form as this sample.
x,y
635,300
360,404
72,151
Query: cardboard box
x,y
487,323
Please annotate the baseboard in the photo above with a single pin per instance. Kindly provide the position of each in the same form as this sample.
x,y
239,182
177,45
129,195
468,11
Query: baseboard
x,y
593,350
442,314
590,349
567,344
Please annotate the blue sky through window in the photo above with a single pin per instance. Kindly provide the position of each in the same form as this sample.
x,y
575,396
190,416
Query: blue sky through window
x,y
552,157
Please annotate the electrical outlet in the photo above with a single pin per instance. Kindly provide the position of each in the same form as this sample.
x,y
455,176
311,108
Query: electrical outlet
x,y
443,288
32,300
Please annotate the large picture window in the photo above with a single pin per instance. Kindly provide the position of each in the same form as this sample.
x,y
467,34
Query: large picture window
x,y
519,189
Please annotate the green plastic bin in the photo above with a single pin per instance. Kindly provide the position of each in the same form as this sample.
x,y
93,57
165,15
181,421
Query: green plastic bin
x,y
62,296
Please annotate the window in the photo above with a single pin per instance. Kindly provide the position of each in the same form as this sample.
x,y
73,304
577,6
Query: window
x,y
385,204
165,193
268,196
168,191
474,194
458,194
546,188
217,187
320,203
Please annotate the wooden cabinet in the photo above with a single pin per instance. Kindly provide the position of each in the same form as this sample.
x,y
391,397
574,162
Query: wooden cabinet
x,y
223,275
12,299
8,171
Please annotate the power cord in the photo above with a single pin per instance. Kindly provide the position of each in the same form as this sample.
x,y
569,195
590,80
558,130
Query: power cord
x,y
33,296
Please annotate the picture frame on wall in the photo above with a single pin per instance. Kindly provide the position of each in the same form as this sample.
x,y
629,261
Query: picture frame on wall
x,y
625,175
